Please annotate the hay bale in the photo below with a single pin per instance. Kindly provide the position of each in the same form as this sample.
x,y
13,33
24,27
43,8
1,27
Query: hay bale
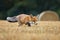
x,y
48,16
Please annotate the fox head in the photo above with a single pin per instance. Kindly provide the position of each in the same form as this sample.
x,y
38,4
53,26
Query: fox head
x,y
34,18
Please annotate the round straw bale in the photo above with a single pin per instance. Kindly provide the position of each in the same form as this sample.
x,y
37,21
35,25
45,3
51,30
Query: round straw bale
x,y
48,16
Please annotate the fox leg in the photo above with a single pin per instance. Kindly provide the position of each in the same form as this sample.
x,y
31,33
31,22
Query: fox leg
x,y
19,22
28,24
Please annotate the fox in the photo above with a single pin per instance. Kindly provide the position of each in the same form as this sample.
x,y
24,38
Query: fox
x,y
26,19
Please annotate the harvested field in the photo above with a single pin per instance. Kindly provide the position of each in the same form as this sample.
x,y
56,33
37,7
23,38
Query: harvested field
x,y
45,30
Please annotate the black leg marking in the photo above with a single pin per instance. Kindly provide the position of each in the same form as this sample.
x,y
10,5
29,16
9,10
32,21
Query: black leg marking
x,y
28,24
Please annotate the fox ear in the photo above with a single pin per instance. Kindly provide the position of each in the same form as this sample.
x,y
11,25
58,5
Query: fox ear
x,y
31,15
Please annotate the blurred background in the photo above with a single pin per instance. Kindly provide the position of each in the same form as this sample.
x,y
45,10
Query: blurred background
x,y
15,7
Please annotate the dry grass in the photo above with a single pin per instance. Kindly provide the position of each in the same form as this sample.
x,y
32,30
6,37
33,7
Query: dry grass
x,y
45,30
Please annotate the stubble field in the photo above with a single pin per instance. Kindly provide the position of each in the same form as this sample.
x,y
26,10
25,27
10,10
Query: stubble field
x,y
44,30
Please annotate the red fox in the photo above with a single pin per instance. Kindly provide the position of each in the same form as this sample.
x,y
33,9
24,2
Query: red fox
x,y
25,19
